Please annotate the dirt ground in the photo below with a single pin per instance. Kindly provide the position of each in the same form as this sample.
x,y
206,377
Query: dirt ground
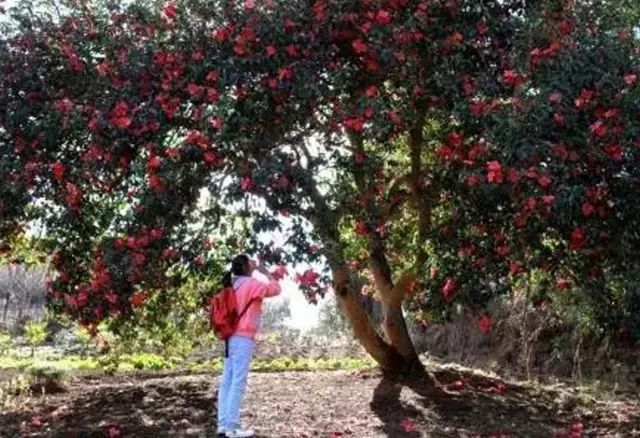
x,y
321,404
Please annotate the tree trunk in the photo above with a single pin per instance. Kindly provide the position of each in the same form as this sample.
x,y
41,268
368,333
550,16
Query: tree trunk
x,y
387,355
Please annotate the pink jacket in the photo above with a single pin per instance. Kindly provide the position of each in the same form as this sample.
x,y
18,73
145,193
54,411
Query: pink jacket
x,y
248,289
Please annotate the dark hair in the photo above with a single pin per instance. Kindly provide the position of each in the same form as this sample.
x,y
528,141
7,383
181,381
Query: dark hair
x,y
239,266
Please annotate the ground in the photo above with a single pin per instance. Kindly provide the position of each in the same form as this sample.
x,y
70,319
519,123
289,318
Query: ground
x,y
322,404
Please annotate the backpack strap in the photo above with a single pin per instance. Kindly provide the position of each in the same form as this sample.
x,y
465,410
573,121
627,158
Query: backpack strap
x,y
246,308
240,316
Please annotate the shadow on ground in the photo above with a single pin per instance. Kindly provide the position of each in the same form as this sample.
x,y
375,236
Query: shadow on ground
x,y
315,404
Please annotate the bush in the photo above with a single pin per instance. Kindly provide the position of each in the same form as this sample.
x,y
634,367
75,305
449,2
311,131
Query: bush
x,y
6,343
36,334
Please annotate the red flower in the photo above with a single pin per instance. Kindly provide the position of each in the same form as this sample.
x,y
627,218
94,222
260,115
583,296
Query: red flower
x,y
395,117
64,105
408,425
484,324
544,181
368,113
454,139
240,48
512,78
563,283
138,299
585,97
555,98
111,297
548,200
246,183
271,51
598,129
249,4
156,183
558,119
614,151
588,209
354,124
285,74
361,228
494,172
577,239
372,91
216,123
120,115
154,162
503,250
359,46
194,90
449,289
114,431
211,157
383,17
444,153
169,12
515,268
630,79
73,196
514,176
319,10
58,170
308,278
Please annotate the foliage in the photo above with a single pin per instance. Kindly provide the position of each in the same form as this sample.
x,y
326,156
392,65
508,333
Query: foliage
x,y
6,343
36,334
331,322
14,391
471,142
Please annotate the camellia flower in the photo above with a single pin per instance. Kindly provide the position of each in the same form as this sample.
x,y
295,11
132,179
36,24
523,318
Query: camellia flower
x,y
58,170
494,172
246,183
512,78
484,324
577,239
408,425
308,278
359,46
449,289
120,115
138,299
630,79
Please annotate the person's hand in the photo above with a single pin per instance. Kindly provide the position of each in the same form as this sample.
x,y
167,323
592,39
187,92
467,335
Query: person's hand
x,y
264,271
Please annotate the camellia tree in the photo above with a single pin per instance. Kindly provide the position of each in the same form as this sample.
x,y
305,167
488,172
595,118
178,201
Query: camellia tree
x,y
132,132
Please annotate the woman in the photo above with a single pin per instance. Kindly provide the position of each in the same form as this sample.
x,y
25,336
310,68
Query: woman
x,y
249,292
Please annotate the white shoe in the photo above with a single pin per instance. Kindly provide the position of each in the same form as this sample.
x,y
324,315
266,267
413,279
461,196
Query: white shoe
x,y
221,431
240,433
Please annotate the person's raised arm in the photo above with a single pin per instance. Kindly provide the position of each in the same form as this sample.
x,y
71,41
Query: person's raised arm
x,y
269,289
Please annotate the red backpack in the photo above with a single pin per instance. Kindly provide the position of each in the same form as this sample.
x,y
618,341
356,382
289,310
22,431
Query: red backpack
x,y
224,315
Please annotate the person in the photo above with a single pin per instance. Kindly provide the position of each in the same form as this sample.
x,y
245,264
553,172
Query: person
x,y
250,292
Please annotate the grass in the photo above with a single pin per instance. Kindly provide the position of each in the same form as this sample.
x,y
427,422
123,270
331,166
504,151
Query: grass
x,y
152,362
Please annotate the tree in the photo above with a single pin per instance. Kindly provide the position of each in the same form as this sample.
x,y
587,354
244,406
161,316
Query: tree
x,y
314,118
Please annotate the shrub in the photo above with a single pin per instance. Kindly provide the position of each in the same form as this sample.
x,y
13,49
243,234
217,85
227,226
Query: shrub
x,y
36,334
